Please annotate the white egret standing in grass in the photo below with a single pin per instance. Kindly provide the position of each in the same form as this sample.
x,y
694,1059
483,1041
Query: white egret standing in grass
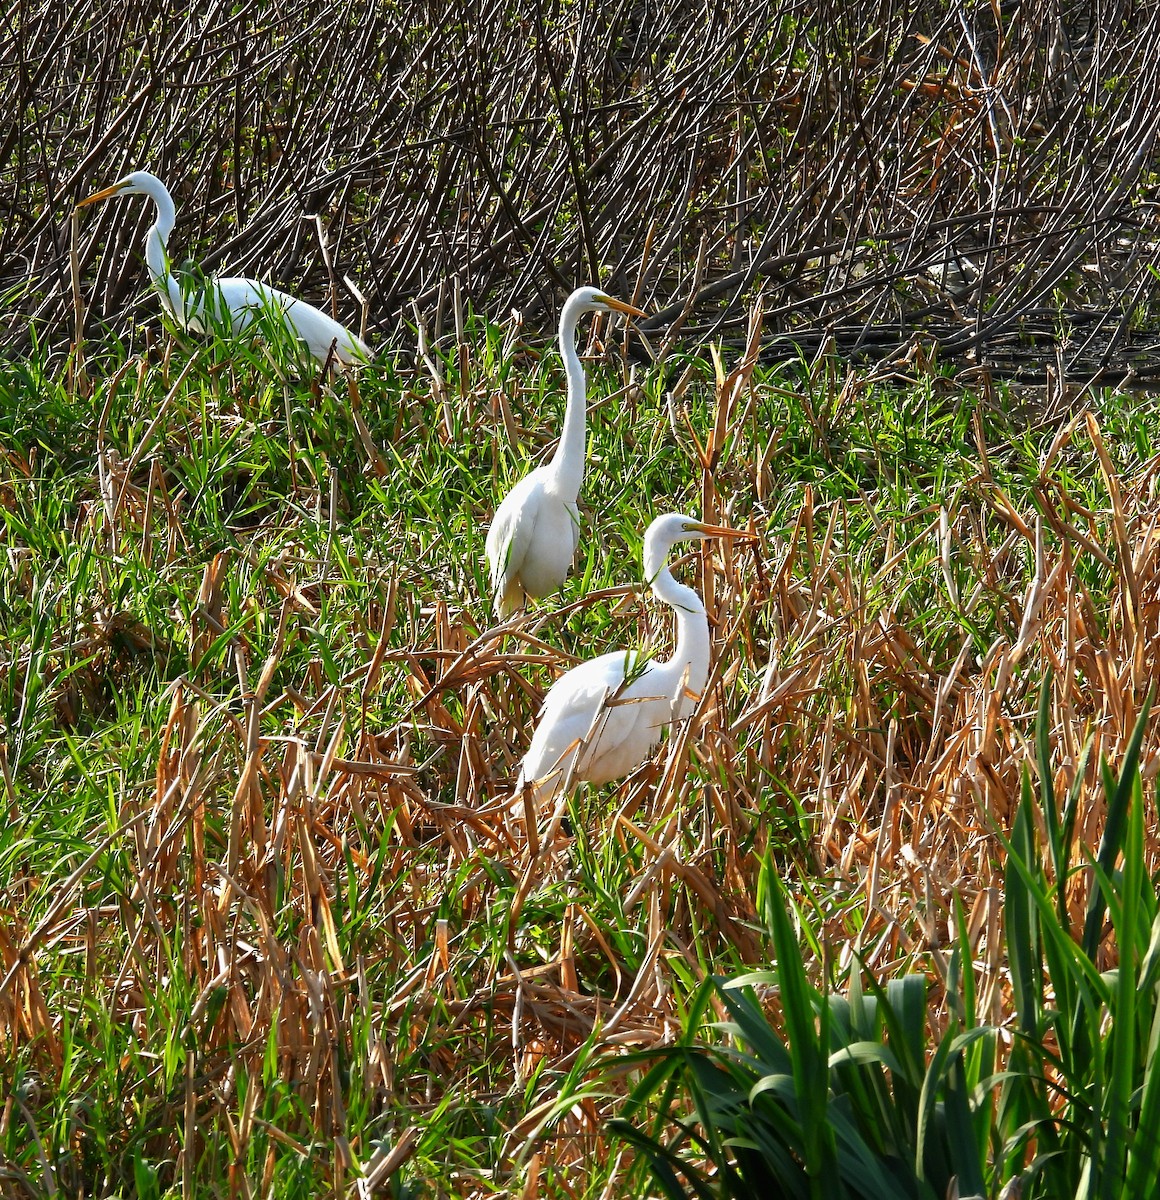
x,y
533,536
601,719
239,301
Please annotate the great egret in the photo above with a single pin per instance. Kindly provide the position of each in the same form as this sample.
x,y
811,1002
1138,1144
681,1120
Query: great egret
x,y
535,531
240,301
601,719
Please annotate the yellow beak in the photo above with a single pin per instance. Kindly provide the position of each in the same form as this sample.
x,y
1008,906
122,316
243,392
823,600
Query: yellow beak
x,y
621,306
723,531
103,194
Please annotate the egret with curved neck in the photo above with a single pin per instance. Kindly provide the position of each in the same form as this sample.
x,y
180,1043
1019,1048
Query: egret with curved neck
x,y
602,719
237,300
535,531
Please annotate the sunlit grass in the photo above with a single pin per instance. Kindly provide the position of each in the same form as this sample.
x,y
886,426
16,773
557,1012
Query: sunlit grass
x,y
246,676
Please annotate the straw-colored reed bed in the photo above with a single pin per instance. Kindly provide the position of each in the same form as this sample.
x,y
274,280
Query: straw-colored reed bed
x,y
268,921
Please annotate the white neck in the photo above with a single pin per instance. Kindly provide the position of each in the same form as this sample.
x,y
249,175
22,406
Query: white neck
x,y
690,659
567,465
157,258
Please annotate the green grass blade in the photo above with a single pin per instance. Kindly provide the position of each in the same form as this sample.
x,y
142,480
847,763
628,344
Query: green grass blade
x,y
806,1044
1055,842
1143,1174
1125,1050
1118,800
959,1127
1021,925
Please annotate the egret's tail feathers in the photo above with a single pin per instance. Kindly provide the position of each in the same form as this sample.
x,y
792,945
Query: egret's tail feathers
x,y
509,600
355,353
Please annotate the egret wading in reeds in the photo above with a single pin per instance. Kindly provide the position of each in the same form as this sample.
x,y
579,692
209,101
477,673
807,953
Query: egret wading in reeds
x,y
601,720
534,534
238,301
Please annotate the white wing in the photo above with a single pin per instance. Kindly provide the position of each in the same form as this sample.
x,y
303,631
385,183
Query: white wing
x,y
246,299
511,533
598,722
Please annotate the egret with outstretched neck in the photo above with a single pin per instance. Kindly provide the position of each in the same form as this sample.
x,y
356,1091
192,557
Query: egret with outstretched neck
x,y
238,300
601,720
534,534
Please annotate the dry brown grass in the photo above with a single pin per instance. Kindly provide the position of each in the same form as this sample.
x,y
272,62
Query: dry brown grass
x,y
856,728
895,746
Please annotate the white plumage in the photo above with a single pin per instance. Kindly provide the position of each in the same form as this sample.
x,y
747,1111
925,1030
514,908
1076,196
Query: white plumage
x,y
535,531
601,720
238,301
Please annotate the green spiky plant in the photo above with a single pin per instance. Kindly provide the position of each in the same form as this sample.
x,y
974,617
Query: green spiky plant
x,y
851,1096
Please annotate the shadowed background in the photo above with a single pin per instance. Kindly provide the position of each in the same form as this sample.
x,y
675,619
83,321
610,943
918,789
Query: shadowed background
x,y
878,170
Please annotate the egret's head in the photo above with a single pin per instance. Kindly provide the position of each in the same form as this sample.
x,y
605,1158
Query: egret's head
x,y
673,528
591,299
137,183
